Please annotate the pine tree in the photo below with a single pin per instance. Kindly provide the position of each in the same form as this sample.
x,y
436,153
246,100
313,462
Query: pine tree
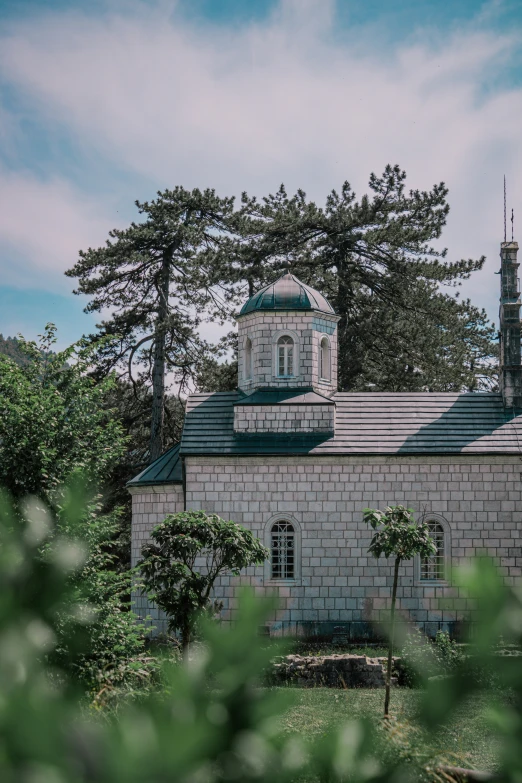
x,y
158,278
374,259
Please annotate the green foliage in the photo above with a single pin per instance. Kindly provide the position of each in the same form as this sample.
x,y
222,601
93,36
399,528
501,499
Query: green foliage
x,y
188,733
180,585
232,731
422,658
54,421
159,278
373,257
499,616
10,347
114,653
132,407
212,375
418,659
398,535
448,652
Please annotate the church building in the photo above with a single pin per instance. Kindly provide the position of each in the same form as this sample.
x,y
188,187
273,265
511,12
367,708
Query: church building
x,y
296,461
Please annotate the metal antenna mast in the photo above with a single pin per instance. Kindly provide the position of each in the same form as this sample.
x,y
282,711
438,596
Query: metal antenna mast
x,y
505,235
512,219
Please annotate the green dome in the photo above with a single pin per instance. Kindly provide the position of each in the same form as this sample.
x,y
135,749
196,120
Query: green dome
x,y
287,293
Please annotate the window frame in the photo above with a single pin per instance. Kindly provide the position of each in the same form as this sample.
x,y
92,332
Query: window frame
x,y
269,579
296,356
248,359
323,338
286,345
282,550
436,519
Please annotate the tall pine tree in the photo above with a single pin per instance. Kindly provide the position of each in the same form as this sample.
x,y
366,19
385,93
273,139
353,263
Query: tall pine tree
x,y
157,278
374,259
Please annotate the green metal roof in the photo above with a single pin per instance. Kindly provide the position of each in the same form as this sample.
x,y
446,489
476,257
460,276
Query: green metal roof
x,y
165,470
285,397
366,423
287,293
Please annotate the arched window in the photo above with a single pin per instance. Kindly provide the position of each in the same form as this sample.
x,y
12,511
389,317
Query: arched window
x,y
248,358
285,357
282,546
433,569
324,359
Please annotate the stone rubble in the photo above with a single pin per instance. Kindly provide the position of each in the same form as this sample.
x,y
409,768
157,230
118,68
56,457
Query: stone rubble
x,y
333,671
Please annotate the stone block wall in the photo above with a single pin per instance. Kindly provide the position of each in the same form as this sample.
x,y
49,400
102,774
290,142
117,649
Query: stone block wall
x,y
284,418
477,498
150,506
307,328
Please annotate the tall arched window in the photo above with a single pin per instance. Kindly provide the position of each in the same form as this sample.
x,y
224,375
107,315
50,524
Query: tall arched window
x,y
324,359
285,357
282,546
433,569
248,358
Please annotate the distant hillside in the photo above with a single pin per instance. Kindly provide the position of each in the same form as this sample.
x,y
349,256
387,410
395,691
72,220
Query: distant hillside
x,y
9,346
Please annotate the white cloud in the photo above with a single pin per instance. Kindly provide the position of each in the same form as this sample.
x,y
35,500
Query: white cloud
x,y
291,99
47,222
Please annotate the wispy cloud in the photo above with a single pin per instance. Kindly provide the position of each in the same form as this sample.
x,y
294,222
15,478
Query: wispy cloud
x,y
288,99
47,221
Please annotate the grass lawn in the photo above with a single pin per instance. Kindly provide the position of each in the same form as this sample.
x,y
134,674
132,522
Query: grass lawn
x,y
316,710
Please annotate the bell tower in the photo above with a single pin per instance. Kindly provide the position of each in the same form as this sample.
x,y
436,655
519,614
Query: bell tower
x,y
510,375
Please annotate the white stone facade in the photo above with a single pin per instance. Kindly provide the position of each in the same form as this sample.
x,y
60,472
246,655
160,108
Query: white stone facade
x,y
478,499
297,463
284,418
150,506
307,329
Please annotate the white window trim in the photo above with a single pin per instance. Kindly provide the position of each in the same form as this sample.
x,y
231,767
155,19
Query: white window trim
x,y
322,337
267,580
297,356
418,582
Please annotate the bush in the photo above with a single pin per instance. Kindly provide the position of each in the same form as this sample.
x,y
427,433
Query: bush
x,y
188,551
114,654
418,659
190,732
422,658
447,652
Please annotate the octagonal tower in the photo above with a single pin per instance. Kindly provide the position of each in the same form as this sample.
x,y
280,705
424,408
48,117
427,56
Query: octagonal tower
x,y
288,339
287,360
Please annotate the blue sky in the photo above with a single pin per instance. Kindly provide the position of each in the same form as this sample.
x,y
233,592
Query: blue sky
x,y
105,102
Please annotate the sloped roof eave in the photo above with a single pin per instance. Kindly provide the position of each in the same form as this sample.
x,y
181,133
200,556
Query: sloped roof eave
x,y
403,424
165,470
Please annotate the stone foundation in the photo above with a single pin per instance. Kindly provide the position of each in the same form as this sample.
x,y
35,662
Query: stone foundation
x,y
333,671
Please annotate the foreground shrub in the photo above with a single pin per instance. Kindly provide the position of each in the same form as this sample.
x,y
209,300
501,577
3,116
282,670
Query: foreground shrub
x,y
188,551
190,732
422,658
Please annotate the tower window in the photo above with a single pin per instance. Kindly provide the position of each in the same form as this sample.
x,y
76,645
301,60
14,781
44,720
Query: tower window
x,y
324,360
248,358
282,547
285,357
432,569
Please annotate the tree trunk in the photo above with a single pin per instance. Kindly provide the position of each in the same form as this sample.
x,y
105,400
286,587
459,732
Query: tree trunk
x,y
185,640
392,629
158,369
345,370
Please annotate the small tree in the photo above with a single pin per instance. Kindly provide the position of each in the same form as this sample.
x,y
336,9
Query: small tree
x,y
180,585
397,535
